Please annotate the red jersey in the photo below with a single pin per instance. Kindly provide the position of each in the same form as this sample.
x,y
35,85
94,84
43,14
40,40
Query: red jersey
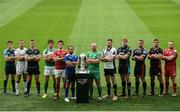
x,y
61,54
170,66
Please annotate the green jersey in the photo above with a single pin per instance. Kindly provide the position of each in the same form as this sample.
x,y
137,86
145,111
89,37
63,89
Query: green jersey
x,y
93,55
49,52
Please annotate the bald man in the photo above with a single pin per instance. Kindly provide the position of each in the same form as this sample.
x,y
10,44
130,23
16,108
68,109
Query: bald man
x,y
93,66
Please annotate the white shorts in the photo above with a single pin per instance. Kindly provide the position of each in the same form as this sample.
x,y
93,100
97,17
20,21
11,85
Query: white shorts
x,y
49,71
21,68
60,73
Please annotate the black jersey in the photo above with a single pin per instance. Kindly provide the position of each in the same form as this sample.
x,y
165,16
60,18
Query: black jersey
x,y
139,52
9,52
155,62
123,51
34,52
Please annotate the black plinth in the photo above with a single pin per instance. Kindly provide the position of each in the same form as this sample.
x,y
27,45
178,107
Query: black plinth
x,y
82,87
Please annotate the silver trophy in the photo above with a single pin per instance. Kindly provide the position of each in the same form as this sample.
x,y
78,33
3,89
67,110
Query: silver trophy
x,y
82,64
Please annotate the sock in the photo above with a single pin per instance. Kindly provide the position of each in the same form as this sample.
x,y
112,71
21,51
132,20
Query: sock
x,y
5,85
66,93
90,90
13,85
144,88
109,89
25,85
161,88
115,89
38,87
167,87
57,88
45,86
137,87
152,87
99,90
129,88
123,87
73,92
54,86
17,86
28,86
174,87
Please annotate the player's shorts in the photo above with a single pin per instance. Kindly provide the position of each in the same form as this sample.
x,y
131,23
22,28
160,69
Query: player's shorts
x,y
170,71
111,72
33,71
70,75
49,70
10,69
140,70
21,68
94,75
124,69
60,73
155,71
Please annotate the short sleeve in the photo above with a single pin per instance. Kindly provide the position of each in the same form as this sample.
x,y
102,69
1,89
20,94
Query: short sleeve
x,y
5,54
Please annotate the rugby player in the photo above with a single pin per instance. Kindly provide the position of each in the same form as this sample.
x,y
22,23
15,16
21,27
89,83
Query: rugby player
x,y
33,57
60,66
123,54
139,56
108,57
49,69
71,61
170,56
10,67
93,67
21,66
155,55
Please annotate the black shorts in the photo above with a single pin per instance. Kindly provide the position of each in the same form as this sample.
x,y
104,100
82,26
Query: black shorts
x,y
110,72
10,69
33,71
70,76
140,70
124,69
155,71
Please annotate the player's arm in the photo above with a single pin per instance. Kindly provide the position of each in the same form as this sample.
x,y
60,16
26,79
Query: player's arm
x,y
141,57
169,58
28,58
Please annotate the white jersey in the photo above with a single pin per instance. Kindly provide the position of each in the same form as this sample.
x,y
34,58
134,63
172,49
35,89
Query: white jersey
x,y
21,66
109,52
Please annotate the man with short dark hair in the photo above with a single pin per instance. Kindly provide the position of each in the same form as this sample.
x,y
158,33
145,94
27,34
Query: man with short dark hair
x,y
49,69
139,56
10,67
155,55
33,57
108,57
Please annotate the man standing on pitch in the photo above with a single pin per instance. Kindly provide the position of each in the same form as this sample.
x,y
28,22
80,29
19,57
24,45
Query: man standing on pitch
x,y
21,66
108,57
49,69
155,55
123,54
170,56
10,67
93,67
139,56
33,57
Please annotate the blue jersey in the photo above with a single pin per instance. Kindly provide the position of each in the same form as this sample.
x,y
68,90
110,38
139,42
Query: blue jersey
x,y
9,52
70,58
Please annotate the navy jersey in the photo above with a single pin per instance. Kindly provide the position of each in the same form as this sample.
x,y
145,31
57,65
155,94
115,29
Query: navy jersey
x,y
139,52
123,51
9,52
34,52
155,62
71,58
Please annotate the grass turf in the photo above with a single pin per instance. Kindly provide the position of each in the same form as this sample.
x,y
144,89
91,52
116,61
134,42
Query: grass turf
x,y
80,22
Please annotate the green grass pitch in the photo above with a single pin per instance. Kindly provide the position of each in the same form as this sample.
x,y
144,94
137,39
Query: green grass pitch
x,y
81,22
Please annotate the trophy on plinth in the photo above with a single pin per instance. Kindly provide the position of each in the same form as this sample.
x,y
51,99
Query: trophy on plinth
x,y
82,68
